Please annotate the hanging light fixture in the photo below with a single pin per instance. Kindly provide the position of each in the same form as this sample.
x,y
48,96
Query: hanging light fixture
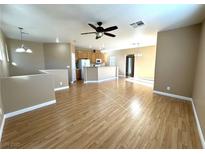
x,y
23,49
139,54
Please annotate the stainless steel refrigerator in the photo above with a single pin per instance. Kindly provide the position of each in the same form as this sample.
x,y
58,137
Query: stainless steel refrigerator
x,y
81,64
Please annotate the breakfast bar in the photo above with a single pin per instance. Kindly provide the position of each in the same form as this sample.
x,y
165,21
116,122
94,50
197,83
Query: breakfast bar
x,y
99,74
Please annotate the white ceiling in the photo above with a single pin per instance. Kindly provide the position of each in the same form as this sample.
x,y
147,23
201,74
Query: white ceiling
x,y
46,22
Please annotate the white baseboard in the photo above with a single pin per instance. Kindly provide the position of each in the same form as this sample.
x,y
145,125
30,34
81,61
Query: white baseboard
x,y
12,114
194,110
61,88
2,128
15,113
198,125
173,95
97,81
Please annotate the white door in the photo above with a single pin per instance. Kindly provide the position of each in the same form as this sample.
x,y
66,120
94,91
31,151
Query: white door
x,y
73,67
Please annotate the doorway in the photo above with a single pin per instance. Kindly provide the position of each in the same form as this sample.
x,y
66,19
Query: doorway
x,y
130,62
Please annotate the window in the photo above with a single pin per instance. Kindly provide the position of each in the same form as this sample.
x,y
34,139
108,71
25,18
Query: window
x,y
7,55
1,49
1,55
112,61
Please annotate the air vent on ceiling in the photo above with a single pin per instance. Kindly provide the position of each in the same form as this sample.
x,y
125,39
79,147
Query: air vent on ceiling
x,y
137,24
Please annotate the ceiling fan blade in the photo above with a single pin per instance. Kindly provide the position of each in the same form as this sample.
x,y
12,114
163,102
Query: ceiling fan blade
x,y
88,33
110,28
97,37
91,25
109,34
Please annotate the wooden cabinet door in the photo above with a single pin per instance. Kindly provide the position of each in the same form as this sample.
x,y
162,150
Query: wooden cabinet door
x,y
90,55
102,57
93,57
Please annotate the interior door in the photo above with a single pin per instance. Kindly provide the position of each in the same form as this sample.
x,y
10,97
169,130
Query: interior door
x,y
130,62
73,67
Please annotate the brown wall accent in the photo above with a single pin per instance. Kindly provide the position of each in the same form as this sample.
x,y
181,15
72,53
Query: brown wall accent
x,y
26,63
176,60
199,82
144,66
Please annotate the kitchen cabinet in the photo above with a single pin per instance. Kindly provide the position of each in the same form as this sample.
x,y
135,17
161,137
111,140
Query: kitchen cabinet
x,y
78,74
90,55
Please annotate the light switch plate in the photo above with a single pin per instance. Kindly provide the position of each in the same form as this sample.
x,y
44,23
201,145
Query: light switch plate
x,y
61,83
168,88
1,111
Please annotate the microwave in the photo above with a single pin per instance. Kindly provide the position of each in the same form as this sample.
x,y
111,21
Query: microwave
x,y
98,61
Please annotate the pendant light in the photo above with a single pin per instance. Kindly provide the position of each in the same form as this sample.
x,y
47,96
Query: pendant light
x,y
23,49
139,54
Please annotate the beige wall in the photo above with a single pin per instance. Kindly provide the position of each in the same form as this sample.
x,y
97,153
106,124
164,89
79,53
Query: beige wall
x,y
144,66
91,74
3,71
26,63
60,76
176,60
20,92
56,55
199,82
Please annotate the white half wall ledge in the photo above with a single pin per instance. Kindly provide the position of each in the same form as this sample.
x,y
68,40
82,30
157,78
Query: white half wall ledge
x,y
2,127
21,111
172,95
61,88
201,136
98,81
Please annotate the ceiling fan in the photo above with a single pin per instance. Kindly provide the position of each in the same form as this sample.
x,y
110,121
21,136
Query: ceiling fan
x,y
100,31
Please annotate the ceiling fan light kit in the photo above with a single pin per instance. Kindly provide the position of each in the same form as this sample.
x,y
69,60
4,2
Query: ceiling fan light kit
x,y
23,49
100,31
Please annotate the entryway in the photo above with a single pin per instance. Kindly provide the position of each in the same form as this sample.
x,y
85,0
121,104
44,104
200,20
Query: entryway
x,y
130,61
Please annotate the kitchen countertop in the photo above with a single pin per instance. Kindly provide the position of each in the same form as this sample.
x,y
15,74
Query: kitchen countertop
x,y
99,66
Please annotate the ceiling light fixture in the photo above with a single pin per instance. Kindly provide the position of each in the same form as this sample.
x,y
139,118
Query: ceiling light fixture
x,y
23,49
139,54
57,40
100,34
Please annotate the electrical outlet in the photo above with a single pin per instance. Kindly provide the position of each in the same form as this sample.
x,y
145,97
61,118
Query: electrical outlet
x,y
61,83
168,88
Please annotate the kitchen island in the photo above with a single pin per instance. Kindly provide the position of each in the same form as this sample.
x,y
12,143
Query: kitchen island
x,y
99,74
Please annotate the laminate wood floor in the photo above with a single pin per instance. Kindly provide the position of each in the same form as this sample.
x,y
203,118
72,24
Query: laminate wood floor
x,y
112,114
